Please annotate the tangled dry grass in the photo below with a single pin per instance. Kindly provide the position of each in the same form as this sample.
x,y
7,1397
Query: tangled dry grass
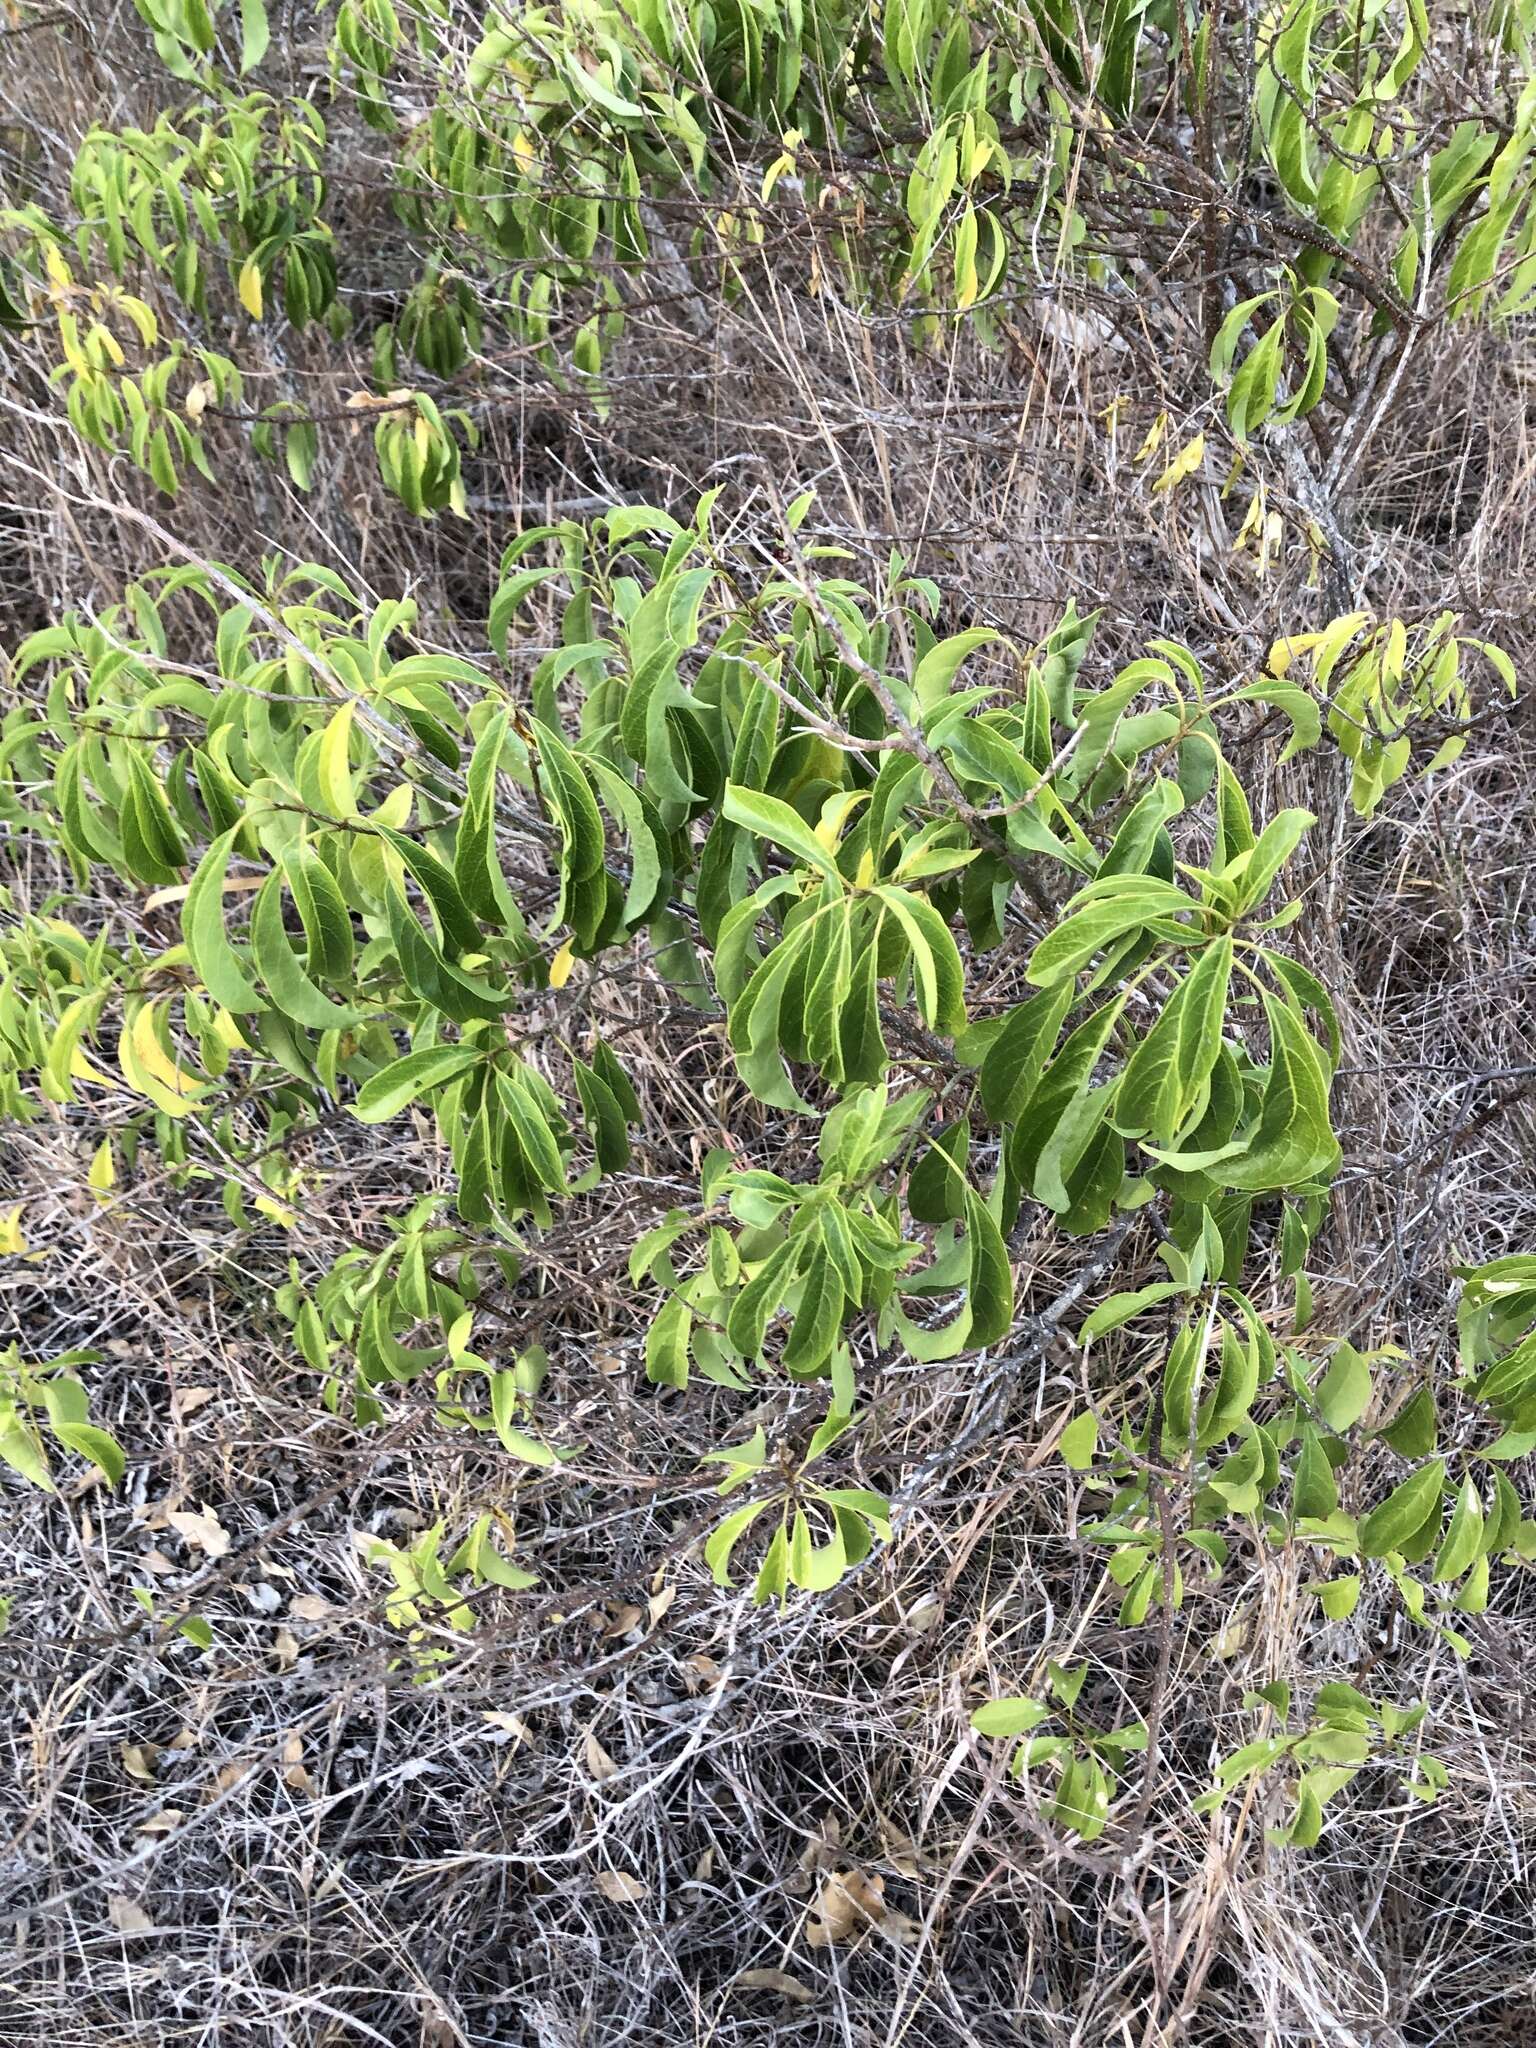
x,y
635,1809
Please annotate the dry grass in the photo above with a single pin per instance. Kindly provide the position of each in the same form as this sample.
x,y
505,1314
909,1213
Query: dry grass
x,y
617,1818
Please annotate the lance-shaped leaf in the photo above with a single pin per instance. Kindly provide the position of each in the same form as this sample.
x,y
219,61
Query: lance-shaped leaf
x,y
202,926
819,1317
666,1343
1064,1085
385,1094
1164,1077
476,866
1109,911
643,829
768,818
286,981
937,973
1404,1512
570,799
1295,1143
1017,1055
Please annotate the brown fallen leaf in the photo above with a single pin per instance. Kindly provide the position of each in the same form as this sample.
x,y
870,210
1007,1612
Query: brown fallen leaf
x,y
774,1980
510,1724
201,1531
847,1906
285,1648
226,1776
310,1607
295,1776
139,1760
127,1916
163,1822
599,1762
900,1850
623,1889
187,1400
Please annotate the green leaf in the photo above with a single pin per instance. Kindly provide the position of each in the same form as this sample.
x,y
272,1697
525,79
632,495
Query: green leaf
x,y
1121,1308
648,1250
762,1294
770,819
1413,1430
289,986
506,1398
1315,1495
1339,1598
717,1550
386,1093
937,972
1165,1076
20,1449
202,926
666,1344
526,1116
1305,718
645,845
1344,1392
1079,1441
1137,901
1251,874
103,1450
1463,1536
1017,1055
991,1281
1294,1143
1009,1717
819,1317
1404,1512
934,674
605,1118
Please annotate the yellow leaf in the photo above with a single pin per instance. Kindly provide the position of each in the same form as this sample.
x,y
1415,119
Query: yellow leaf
x,y
13,1243
560,967
227,1031
780,166
332,770
396,807
249,288
103,1170
154,1073
1285,651
1185,463
1154,439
